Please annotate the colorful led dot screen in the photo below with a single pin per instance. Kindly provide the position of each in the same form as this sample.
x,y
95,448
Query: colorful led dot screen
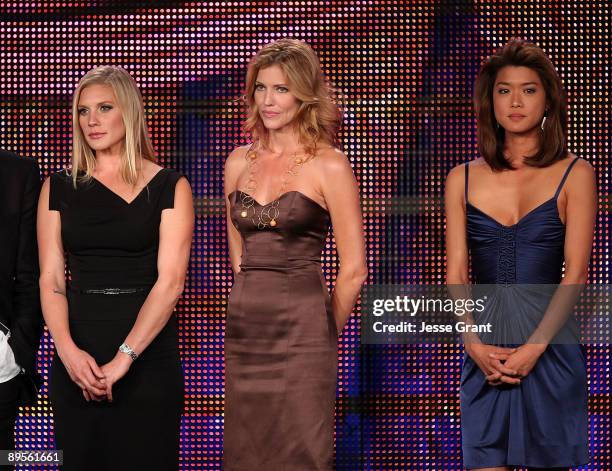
x,y
406,71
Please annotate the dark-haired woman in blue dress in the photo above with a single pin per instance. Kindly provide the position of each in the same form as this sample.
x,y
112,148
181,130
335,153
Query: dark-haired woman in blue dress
x,y
520,212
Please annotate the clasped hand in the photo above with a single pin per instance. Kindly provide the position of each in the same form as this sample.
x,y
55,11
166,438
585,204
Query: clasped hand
x,y
95,382
505,365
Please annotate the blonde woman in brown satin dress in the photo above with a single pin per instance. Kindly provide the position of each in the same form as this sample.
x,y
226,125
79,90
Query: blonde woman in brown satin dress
x,y
282,192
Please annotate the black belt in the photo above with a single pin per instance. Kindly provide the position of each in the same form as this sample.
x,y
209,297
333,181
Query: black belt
x,y
111,291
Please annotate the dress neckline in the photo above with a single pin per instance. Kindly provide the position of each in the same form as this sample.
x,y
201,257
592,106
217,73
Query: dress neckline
x,y
528,213
307,198
129,203
523,217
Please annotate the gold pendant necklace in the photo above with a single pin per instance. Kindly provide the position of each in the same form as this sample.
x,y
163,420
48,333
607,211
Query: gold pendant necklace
x,y
268,215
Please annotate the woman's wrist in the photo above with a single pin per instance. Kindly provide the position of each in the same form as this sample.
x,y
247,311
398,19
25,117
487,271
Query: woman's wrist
x,y
469,340
123,359
65,347
538,347
127,351
469,348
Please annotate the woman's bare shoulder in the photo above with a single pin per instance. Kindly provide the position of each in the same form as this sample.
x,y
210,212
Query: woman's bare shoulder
x,y
331,159
236,159
582,173
459,170
239,153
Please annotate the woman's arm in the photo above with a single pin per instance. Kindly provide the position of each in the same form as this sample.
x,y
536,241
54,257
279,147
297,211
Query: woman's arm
x,y
234,165
81,367
457,276
580,211
175,234
341,194
456,239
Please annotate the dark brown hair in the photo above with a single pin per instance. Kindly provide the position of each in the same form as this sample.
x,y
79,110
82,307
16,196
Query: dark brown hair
x,y
553,142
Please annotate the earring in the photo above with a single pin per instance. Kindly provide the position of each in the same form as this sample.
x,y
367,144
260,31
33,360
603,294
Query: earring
x,y
544,118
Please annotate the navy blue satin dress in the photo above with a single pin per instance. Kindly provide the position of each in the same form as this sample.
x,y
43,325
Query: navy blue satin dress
x,y
543,421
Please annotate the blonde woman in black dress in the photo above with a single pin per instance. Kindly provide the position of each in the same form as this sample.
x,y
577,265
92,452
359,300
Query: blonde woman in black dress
x,y
282,192
125,225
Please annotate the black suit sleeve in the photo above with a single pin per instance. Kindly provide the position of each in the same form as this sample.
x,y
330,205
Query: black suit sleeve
x,y
27,321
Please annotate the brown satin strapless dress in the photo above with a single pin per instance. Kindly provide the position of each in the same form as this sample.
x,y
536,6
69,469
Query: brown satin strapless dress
x,y
280,344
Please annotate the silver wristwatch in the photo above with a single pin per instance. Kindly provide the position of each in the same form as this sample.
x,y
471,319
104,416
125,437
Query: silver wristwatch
x,y
125,348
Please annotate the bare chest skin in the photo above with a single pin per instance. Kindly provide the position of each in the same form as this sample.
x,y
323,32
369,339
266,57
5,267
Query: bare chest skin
x,y
271,176
115,183
508,196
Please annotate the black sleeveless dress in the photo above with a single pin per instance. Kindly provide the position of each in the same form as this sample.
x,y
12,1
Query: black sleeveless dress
x,y
280,344
111,245
542,422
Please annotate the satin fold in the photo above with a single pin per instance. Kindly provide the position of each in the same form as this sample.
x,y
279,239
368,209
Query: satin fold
x,y
280,344
543,421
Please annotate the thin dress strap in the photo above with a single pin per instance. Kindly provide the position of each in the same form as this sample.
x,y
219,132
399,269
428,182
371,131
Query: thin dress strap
x,y
567,171
467,172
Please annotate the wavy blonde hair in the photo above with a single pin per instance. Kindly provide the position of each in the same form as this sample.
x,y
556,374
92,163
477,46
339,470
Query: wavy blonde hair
x,y
137,143
318,117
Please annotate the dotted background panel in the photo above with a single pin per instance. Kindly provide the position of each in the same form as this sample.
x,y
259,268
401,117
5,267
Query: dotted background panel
x,y
406,70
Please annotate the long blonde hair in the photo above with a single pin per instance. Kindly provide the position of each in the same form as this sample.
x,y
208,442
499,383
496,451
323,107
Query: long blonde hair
x,y
318,117
129,100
